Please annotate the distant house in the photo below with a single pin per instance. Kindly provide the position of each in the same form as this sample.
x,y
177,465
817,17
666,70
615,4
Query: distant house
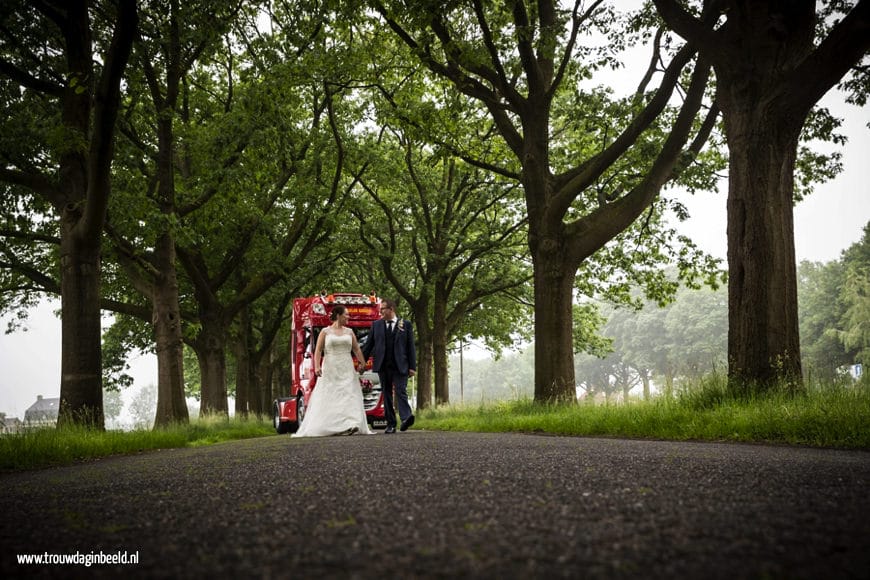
x,y
10,425
42,413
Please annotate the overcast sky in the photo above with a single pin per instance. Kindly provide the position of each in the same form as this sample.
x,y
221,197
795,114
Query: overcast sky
x,y
826,223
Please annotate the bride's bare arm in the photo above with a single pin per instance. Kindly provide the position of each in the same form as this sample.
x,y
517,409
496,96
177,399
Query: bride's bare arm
x,y
318,352
357,351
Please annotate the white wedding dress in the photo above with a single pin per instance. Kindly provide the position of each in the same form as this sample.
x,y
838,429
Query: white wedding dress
x,y
336,405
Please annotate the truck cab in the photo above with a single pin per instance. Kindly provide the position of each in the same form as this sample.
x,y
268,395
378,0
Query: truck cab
x,y
310,316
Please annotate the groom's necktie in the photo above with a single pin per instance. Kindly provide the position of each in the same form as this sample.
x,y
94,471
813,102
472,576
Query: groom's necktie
x,y
390,327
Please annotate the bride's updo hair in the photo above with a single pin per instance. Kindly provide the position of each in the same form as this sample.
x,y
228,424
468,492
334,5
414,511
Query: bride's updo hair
x,y
336,312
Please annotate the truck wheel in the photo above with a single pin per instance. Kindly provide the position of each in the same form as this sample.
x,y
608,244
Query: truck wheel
x,y
280,427
300,411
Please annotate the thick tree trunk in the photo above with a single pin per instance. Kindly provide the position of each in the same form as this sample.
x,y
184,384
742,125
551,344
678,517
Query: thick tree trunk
x,y
439,349
171,403
242,351
81,383
423,334
424,374
442,383
771,68
263,384
243,378
554,341
763,332
210,350
89,109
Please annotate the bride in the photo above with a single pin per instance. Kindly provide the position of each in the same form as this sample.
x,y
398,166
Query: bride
x,y
336,405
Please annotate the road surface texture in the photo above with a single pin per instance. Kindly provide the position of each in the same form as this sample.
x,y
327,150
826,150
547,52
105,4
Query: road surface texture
x,y
448,505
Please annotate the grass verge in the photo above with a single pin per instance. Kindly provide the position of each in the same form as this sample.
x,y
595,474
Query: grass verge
x,y
52,447
821,417
832,416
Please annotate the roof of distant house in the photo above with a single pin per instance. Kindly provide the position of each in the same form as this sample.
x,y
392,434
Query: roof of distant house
x,y
43,407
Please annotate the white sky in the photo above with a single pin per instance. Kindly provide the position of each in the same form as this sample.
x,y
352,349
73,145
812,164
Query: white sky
x,y
826,223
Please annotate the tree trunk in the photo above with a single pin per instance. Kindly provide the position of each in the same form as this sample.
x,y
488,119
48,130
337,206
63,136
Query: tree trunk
x,y
243,377
554,352
81,383
644,376
424,375
771,68
241,348
424,355
263,384
171,403
439,348
89,110
210,350
763,332
669,384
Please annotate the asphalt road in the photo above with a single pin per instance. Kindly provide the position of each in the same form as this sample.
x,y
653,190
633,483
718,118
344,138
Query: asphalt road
x,y
446,505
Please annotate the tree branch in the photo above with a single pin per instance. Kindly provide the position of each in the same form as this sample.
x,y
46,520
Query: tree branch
x,y
844,47
570,184
108,99
35,182
595,229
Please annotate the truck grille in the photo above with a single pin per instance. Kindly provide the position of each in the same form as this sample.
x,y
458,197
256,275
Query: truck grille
x,y
371,388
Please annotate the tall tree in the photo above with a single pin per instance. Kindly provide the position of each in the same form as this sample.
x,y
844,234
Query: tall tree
x,y
515,59
447,237
856,298
51,58
177,47
773,63
822,311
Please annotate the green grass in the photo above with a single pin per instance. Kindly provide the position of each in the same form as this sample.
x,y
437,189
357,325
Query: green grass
x,y
823,416
51,447
836,417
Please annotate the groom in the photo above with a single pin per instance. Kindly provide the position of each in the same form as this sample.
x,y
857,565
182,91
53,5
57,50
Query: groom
x,y
392,340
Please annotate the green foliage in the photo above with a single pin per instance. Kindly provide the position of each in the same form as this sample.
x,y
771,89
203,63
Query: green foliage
x,y
856,293
449,237
112,404
281,127
588,322
125,335
835,310
685,339
485,381
821,312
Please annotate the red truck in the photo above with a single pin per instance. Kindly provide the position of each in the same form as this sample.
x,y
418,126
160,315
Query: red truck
x,y
310,316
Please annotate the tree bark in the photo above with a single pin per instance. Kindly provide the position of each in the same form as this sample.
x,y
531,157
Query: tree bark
x,y
210,347
81,385
771,70
89,115
242,351
171,403
763,330
424,355
439,346
554,352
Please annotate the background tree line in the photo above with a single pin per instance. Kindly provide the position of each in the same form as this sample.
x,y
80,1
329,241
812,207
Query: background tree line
x,y
192,166
674,347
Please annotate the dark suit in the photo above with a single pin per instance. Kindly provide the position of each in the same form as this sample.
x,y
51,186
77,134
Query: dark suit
x,y
394,356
